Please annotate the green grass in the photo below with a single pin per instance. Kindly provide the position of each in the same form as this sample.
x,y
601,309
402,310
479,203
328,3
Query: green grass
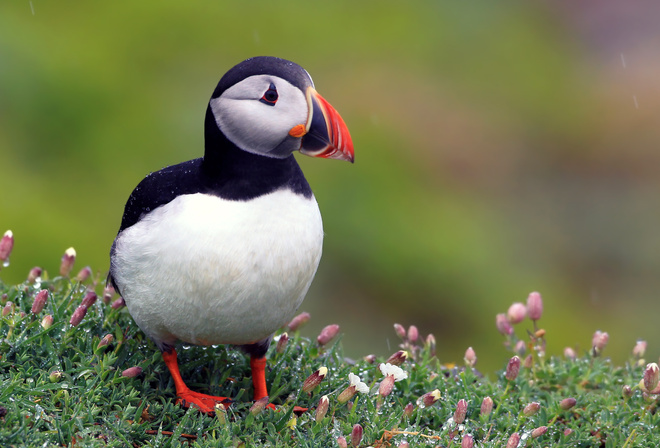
x,y
58,388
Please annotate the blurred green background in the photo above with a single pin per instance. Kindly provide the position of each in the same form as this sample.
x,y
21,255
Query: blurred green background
x,y
501,148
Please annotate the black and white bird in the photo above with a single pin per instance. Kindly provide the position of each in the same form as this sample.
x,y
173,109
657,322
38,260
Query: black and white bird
x,y
222,249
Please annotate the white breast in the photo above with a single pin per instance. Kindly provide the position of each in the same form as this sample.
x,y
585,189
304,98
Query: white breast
x,y
205,270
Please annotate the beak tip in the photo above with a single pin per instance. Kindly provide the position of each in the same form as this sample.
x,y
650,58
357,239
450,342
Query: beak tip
x,y
327,134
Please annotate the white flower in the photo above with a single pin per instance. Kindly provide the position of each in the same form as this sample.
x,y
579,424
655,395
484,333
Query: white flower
x,y
359,385
395,371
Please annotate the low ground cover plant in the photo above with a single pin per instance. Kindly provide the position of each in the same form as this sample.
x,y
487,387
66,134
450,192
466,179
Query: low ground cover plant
x,y
76,371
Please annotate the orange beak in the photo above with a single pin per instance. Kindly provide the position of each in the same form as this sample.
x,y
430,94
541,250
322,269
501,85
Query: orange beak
x,y
326,133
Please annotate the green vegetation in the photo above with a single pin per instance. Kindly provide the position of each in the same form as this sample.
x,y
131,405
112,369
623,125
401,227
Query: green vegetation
x,y
99,382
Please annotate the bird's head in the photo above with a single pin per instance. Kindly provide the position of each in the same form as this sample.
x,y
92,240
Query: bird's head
x,y
269,106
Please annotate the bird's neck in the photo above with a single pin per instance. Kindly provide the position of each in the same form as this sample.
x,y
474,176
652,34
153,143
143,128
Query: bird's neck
x,y
228,166
223,156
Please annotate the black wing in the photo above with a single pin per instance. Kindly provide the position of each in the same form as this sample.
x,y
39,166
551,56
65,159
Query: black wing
x,y
160,188
156,189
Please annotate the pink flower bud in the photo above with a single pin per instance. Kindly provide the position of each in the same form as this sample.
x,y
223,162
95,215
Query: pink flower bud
x,y
651,377
538,432
346,394
626,391
356,435
513,440
467,442
298,321
68,259
569,353
470,357
413,333
47,321
486,406
282,342
430,342
370,359
314,380
568,432
512,369
327,334
639,349
341,441
34,274
6,245
520,348
403,444
386,385
503,325
517,313
132,372
531,409
8,308
534,306
408,410
78,316
106,340
322,408
397,358
39,301
400,330
460,412
429,398
108,292
567,403
84,274
599,341
259,406
89,299
119,303
529,362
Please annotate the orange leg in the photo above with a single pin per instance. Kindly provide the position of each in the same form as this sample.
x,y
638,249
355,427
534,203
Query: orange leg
x,y
258,366
186,397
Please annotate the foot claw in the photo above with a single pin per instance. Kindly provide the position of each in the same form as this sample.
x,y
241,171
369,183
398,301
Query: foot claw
x,y
299,411
205,403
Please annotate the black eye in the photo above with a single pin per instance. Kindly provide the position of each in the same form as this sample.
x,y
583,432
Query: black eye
x,y
271,96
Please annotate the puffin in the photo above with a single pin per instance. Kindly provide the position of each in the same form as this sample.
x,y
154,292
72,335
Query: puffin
x,y
222,249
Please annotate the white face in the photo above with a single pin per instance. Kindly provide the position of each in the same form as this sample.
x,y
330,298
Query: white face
x,y
257,114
